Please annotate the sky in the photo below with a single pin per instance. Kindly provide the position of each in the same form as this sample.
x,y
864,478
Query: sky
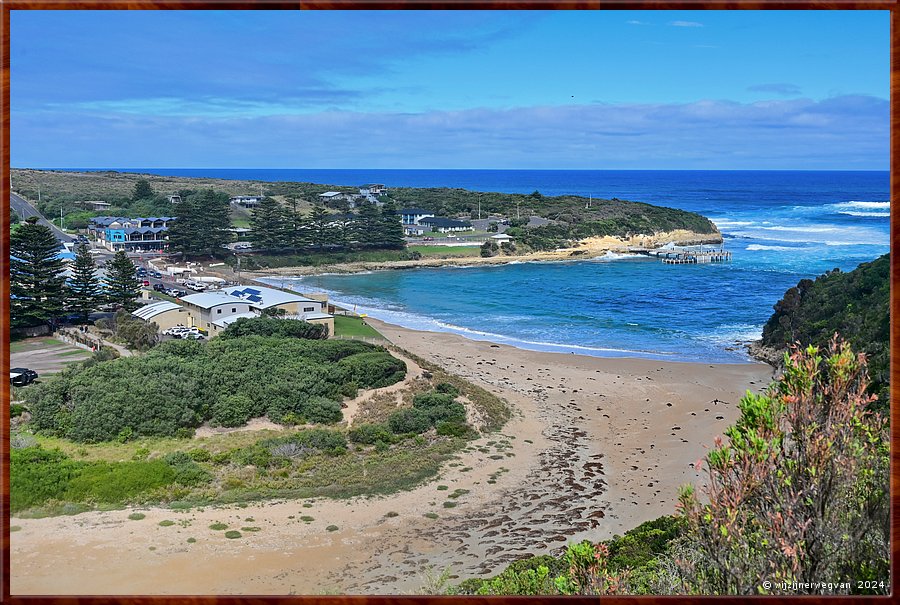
x,y
804,90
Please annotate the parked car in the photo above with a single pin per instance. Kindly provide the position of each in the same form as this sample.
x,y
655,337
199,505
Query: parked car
x,y
156,274
20,377
193,336
146,283
428,239
159,287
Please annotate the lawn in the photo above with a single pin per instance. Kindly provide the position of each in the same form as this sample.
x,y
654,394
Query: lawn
x,y
347,326
446,251
31,344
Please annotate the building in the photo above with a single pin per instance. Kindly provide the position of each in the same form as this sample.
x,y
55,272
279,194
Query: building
x,y
96,205
413,230
295,306
262,299
445,225
412,216
372,189
501,238
207,307
247,201
164,314
223,323
174,199
334,196
140,234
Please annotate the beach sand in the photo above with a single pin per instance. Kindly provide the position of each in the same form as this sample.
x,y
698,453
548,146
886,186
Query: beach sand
x,y
596,446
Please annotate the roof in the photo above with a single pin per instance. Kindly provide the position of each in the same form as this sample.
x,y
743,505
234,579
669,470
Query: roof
x,y
501,236
440,221
314,315
150,311
370,185
263,298
208,300
330,194
224,322
414,211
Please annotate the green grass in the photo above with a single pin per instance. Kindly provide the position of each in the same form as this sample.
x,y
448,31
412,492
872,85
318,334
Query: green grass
x,y
345,325
13,528
218,526
446,251
191,540
136,516
251,529
232,534
449,504
307,519
391,514
30,344
431,515
166,523
331,528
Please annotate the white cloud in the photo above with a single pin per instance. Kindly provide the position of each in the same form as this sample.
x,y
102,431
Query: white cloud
x,y
850,132
636,22
685,24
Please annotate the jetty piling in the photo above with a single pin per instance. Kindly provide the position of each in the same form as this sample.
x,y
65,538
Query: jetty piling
x,y
687,255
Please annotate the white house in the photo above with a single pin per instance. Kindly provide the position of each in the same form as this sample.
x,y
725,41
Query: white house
x,y
207,307
412,216
445,225
247,201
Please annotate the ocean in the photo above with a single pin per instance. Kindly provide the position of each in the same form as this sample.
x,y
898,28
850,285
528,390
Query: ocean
x,y
781,226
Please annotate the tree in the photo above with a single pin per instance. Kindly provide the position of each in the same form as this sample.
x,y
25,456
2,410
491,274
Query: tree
x,y
122,285
367,228
799,491
317,227
390,229
36,282
271,228
85,289
142,190
201,224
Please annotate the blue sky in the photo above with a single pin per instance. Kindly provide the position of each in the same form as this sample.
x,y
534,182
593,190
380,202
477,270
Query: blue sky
x,y
455,89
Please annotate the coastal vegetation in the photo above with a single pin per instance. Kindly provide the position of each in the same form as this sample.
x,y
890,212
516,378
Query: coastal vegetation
x,y
854,304
226,381
797,490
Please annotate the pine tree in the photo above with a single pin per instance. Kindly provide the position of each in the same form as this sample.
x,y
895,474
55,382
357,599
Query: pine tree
x,y
122,285
390,232
85,289
35,271
201,224
271,227
142,190
317,227
368,226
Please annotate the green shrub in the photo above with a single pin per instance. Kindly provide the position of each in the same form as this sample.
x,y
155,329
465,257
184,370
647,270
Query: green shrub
x,y
114,482
166,523
136,516
432,399
453,428
410,420
218,526
268,326
200,455
332,528
232,410
369,434
16,410
232,534
447,388
256,376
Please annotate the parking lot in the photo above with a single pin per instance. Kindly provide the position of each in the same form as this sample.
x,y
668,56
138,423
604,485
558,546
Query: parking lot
x,y
45,355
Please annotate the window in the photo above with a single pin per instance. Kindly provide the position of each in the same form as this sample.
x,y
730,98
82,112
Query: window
x,y
233,310
218,311
308,309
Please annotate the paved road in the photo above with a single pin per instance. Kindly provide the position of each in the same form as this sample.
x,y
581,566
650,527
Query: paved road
x,y
25,210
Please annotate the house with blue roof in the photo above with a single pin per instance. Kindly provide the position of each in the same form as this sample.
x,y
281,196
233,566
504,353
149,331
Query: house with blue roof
x,y
140,234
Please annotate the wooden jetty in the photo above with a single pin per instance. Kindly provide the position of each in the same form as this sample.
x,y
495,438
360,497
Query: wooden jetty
x,y
687,255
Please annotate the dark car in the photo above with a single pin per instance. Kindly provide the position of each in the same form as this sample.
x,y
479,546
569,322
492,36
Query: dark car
x,y
159,287
156,274
21,377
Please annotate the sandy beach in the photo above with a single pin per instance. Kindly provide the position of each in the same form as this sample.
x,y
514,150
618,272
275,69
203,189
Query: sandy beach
x,y
597,446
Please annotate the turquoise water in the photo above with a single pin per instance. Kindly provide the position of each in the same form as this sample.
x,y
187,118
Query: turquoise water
x,y
782,226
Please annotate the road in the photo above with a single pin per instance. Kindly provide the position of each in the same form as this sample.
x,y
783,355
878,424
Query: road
x,y
25,210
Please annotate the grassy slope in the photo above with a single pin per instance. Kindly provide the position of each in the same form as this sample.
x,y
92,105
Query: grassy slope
x,y
345,325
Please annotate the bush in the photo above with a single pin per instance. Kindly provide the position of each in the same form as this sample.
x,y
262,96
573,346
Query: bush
x,y
409,421
805,467
369,434
268,326
447,388
432,400
16,410
256,376
232,410
373,370
453,429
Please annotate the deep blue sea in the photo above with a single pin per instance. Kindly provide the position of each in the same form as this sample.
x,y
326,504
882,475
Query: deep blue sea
x,y
782,226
